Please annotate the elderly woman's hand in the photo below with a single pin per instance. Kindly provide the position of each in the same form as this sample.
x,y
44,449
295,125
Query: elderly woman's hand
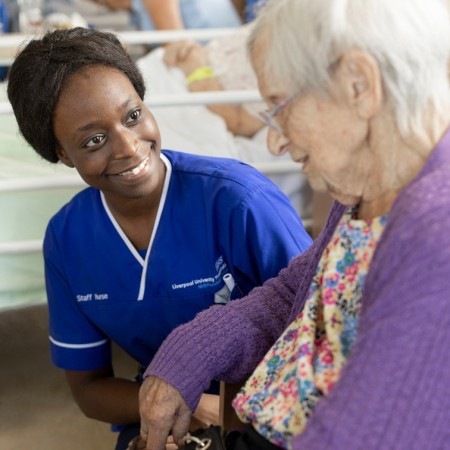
x,y
186,55
163,412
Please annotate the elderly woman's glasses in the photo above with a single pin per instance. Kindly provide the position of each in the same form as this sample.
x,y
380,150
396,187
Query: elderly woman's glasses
x,y
268,116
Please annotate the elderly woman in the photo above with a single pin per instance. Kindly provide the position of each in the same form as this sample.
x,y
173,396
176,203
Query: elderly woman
x,y
345,349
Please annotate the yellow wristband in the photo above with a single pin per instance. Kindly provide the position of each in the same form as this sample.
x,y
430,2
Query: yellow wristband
x,y
200,73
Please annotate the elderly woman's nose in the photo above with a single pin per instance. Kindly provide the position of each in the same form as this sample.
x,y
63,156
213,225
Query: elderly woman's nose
x,y
277,143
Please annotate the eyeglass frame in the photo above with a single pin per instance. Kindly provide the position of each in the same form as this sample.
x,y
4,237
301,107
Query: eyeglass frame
x,y
268,115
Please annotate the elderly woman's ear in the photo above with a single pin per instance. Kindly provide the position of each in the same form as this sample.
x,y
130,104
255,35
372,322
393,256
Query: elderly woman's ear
x,y
359,80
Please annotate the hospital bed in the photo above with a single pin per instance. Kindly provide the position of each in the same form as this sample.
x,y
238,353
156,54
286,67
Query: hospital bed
x,y
32,190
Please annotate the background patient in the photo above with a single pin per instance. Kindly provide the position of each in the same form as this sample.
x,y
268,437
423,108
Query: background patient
x,y
222,64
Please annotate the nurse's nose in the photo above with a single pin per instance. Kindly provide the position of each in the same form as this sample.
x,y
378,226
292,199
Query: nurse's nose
x,y
277,143
126,143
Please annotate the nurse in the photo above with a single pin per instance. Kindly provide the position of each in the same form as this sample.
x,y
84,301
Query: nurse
x,y
158,235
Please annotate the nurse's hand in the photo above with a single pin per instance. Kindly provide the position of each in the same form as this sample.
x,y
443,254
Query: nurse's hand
x,y
207,411
163,412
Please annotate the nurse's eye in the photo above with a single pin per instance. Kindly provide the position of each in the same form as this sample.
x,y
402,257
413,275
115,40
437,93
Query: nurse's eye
x,y
134,116
96,140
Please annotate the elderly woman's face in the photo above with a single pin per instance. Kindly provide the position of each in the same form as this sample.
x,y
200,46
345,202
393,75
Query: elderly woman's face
x,y
321,131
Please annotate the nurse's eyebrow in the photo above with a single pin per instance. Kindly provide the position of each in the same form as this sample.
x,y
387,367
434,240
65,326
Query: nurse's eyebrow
x,y
90,125
87,126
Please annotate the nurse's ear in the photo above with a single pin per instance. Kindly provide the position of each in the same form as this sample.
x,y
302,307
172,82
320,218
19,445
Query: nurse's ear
x,y
359,77
62,156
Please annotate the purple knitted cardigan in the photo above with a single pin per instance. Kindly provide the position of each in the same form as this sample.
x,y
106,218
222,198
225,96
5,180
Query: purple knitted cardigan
x,y
394,392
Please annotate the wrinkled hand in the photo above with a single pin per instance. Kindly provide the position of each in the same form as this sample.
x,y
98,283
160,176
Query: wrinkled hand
x,y
186,55
163,412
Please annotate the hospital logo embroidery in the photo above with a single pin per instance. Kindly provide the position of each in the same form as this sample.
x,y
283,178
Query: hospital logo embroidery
x,y
210,281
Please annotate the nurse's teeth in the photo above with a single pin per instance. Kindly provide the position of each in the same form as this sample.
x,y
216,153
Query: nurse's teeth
x,y
136,170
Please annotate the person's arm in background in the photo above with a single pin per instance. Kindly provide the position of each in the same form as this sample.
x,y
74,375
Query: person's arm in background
x,y
189,56
165,14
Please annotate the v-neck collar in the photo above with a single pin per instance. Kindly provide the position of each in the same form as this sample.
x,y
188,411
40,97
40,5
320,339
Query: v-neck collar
x,y
131,248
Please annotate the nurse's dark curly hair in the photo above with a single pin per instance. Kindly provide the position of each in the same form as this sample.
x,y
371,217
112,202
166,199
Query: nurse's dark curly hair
x,y
41,70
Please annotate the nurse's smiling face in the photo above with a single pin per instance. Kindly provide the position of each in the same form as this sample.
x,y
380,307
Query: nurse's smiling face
x,y
106,132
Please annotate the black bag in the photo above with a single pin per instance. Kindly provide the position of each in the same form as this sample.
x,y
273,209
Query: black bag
x,y
211,438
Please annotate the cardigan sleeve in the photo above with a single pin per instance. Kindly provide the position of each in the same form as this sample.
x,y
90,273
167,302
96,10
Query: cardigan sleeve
x,y
394,391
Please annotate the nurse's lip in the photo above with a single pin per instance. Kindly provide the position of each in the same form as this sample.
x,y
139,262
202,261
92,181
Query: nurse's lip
x,y
135,170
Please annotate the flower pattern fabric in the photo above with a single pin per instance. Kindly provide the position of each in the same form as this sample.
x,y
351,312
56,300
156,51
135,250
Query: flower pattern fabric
x,y
306,361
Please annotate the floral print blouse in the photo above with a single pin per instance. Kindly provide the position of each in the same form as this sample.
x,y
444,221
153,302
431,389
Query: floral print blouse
x,y
306,361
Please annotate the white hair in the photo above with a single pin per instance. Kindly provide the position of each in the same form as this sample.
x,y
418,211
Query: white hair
x,y
409,39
